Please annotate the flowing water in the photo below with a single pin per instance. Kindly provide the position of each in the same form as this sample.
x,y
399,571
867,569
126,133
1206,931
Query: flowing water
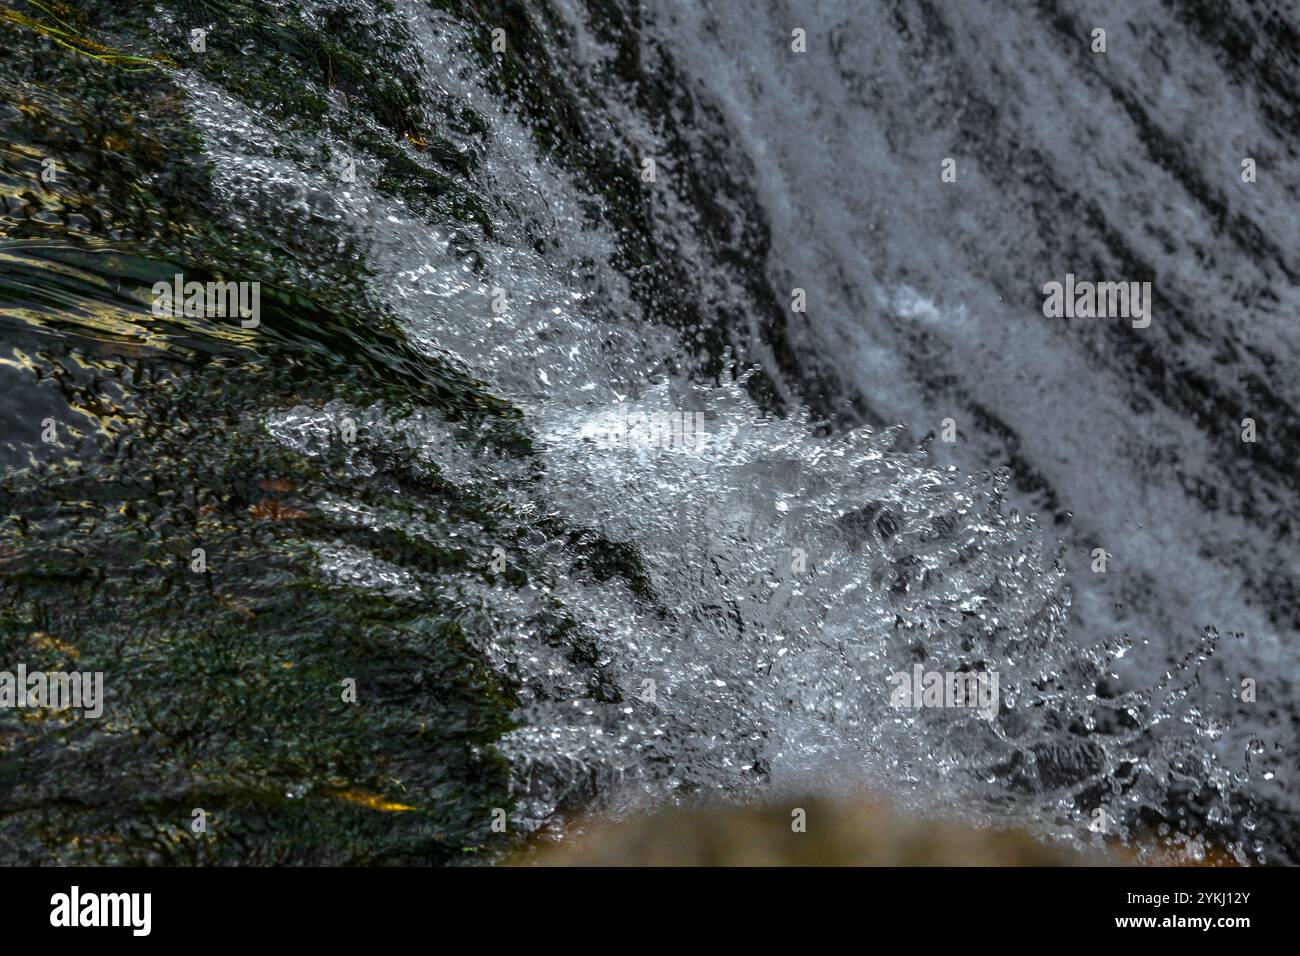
x,y
415,471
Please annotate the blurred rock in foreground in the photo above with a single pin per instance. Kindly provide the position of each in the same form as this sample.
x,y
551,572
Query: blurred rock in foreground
x,y
837,834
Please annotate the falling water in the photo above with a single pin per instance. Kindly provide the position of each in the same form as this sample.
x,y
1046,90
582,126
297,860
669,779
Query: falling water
x,y
773,568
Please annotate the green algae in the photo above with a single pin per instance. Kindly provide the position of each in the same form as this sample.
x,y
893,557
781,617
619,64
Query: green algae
x,y
224,685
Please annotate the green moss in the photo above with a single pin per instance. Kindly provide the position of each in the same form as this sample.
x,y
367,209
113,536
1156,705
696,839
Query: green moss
x,y
294,68
224,686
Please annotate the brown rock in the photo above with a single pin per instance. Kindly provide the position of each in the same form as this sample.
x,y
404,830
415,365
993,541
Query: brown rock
x,y
850,833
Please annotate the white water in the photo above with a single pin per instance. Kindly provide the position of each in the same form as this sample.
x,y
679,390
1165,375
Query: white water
x,y
765,677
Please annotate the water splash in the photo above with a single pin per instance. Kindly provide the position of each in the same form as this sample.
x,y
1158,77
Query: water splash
x,y
774,579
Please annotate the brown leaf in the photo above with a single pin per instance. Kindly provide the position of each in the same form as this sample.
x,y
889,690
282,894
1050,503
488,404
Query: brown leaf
x,y
270,509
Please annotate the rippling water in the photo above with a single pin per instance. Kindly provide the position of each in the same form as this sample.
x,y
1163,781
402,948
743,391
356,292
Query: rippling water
x,y
409,472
